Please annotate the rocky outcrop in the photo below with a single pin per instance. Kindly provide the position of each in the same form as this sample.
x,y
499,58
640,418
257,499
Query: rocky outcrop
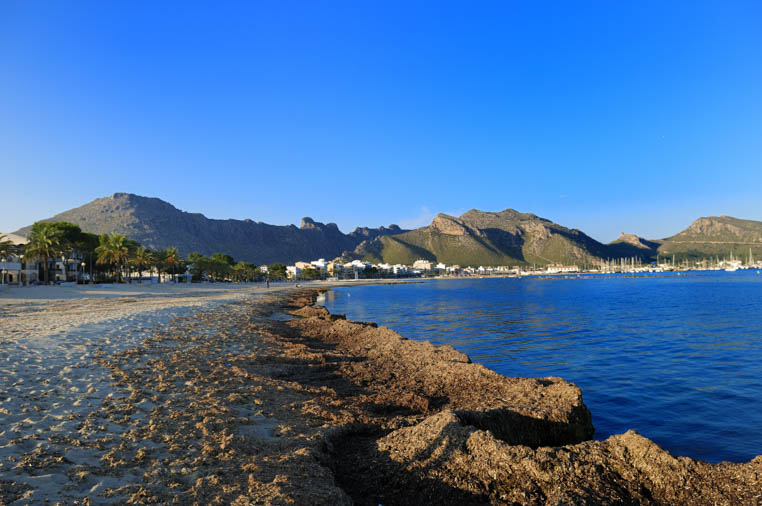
x,y
448,225
365,233
633,240
714,226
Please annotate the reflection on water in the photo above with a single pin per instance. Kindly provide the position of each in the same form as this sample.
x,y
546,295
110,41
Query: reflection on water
x,y
676,358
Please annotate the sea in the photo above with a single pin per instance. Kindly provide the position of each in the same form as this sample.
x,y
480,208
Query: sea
x,y
676,357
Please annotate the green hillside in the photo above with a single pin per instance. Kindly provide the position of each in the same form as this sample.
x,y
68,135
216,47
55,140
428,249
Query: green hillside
x,y
486,238
716,236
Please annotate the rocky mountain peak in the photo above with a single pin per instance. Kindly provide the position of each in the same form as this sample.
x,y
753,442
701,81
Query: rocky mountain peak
x,y
448,225
633,240
308,222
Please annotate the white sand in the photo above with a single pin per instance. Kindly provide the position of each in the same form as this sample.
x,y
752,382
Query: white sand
x,y
50,384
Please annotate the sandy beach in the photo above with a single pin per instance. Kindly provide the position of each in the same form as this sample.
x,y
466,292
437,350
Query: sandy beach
x,y
52,384
74,365
238,394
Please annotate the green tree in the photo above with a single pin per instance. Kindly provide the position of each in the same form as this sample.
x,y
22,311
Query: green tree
x,y
199,265
45,242
70,232
310,274
141,259
218,269
222,257
248,272
113,250
242,272
172,259
6,248
158,262
81,244
277,271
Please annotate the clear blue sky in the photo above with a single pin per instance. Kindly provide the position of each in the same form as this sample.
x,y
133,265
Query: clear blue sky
x,y
604,116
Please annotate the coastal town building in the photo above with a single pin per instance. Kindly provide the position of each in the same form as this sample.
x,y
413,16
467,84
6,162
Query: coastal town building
x,y
453,270
357,269
558,268
357,265
400,270
303,265
292,271
424,265
14,268
319,264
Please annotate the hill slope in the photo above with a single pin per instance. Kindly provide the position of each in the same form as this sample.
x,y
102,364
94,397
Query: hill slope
x,y
716,236
157,224
486,238
630,245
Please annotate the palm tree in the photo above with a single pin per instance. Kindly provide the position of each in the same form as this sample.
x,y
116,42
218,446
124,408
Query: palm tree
x,y
6,246
45,243
172,257
113,250
141,259
158,261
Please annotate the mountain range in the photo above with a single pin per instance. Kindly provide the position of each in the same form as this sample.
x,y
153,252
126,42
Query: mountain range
x,y
486,238
474,238
157,224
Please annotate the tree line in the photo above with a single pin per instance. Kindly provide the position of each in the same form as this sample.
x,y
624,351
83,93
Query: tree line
x,y
114,257
109,257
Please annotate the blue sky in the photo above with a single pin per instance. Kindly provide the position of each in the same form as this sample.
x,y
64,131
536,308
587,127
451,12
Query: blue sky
x,y
603,116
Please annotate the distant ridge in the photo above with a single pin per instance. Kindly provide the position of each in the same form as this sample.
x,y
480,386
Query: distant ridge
x,y
157,224
714,236
486,238
475,238
630,245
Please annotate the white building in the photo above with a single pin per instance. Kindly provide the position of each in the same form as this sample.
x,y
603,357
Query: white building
x,y
400,270
423,265
557,268
453,269
320,264
357,265
14,269
303,266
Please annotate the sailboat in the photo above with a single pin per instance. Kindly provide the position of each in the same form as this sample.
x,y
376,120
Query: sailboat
x,y
731,266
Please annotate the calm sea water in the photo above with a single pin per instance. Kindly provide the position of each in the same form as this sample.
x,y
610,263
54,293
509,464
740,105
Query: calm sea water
x,y
679,359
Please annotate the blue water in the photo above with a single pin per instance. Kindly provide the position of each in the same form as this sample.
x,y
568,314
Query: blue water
x,y
679,359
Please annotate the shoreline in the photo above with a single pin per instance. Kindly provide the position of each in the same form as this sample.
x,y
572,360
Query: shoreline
x,y
219,398
455,451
